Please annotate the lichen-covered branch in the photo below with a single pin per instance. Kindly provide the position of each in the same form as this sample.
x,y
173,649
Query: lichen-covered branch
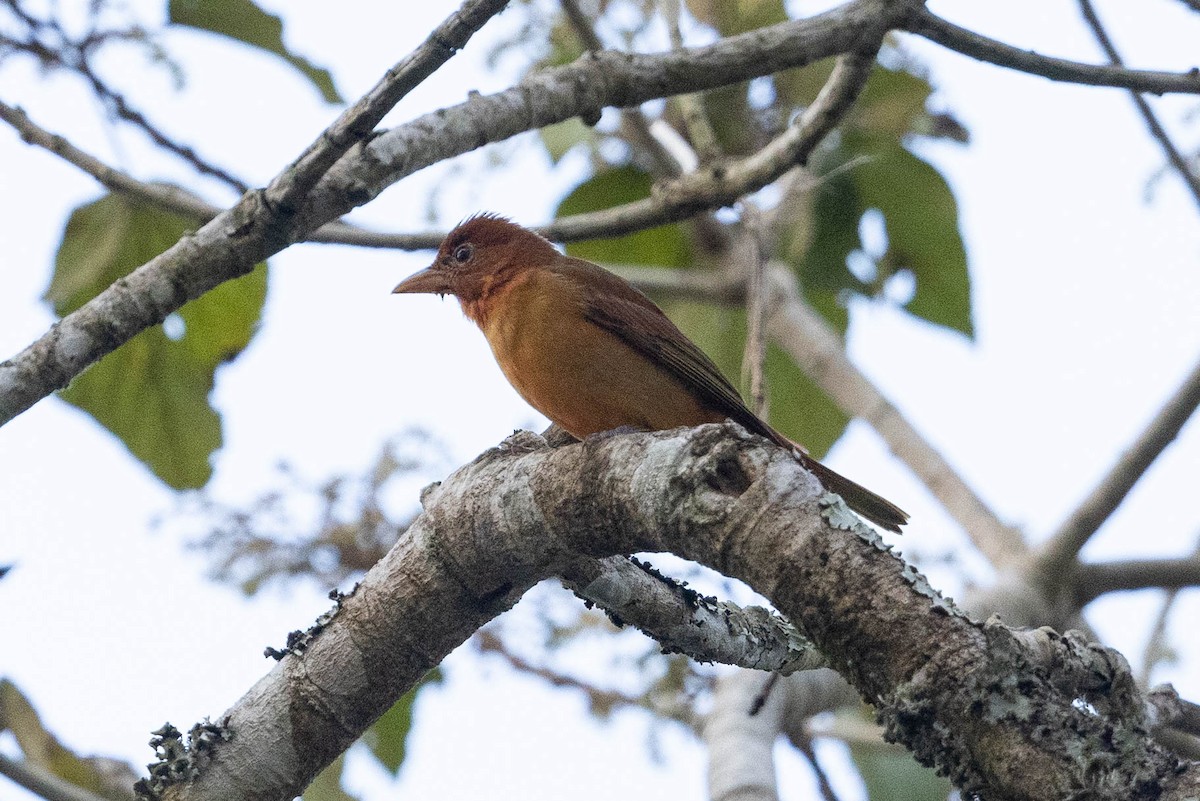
x,y
998,711
684,621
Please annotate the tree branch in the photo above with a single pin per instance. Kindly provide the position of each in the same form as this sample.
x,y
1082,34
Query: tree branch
x,y
1190,179
951,36
1055,556
1093,580
723,183
684,621
42,782
819,352
182,202
714,494
357,122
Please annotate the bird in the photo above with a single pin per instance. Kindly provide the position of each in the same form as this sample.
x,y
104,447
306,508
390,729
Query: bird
x,y
590,351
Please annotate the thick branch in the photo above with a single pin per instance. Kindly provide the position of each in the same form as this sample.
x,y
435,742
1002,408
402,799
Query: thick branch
x,y
714,494
971,44
1056,555
232,243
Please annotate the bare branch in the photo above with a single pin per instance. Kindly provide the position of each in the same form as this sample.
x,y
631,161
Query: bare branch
x,y
722,184
1055,556
357,122
182,202
1177,160
969,43
819,352
754,356
42,782
1094,580
162,195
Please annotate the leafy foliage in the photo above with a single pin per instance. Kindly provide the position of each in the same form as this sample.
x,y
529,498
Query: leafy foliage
x,y
245,22
152,392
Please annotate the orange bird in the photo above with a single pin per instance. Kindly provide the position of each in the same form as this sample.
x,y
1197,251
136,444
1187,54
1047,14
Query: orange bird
x,y
592,353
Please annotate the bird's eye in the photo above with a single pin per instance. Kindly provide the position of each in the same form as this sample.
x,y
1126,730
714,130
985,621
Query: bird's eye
x,y
462,253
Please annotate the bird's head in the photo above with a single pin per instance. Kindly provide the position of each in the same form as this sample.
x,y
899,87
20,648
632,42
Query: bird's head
x,y
480,255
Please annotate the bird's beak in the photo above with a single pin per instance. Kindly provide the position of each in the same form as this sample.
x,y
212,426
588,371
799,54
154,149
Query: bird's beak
x,y
430,281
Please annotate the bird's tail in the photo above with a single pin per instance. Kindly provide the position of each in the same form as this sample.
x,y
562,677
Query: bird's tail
x,y
878,510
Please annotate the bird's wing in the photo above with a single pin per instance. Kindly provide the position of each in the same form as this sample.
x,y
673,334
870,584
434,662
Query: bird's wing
x,y
618,308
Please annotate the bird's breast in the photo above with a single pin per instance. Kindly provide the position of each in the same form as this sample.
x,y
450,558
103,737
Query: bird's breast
x,y
580,376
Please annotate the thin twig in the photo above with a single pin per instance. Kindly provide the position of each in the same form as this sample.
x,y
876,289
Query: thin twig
x,y
184,203
969,43
167,197
723,184
823,784
1177,159
755,355
695,118
122,108
357,122
1054,558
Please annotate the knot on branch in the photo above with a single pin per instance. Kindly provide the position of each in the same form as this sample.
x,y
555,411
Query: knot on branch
x,y
719,475
1091,673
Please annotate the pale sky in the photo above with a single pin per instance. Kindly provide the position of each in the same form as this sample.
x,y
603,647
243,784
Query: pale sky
x,y
1086,306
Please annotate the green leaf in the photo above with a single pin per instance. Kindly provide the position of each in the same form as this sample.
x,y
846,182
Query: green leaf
x,y
921,215
387,739
245,22
835,210
796,406
561,137
152,392
664,246
921,220
328,784
731,17
890,772
892,103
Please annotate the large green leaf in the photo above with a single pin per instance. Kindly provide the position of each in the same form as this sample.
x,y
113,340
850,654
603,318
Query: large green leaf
x,y
152,392
244,21
921,215
796,406
664,246
835,209
388,738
